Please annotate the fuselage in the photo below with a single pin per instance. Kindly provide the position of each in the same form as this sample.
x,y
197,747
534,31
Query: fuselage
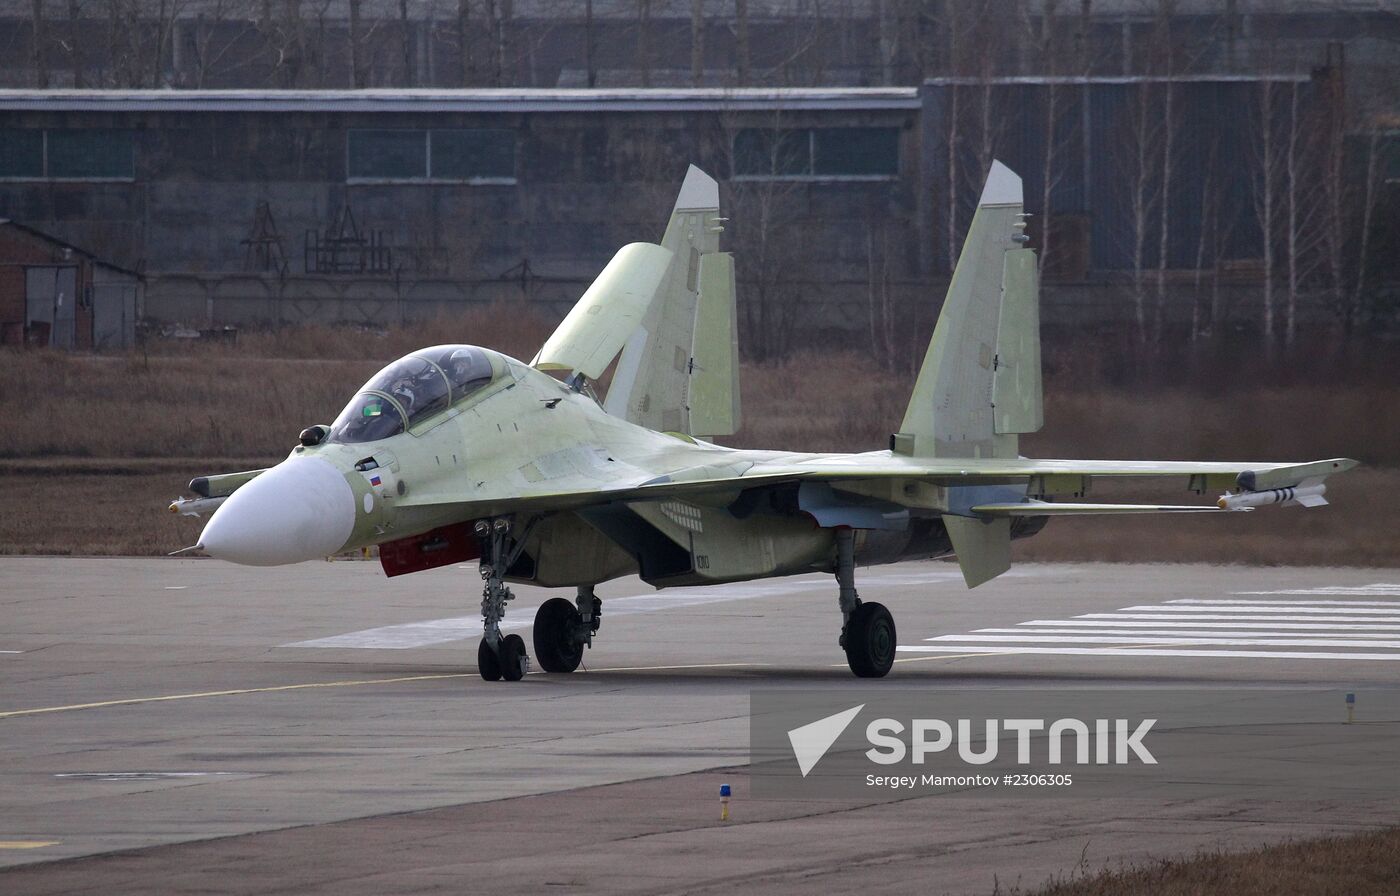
x,y
426,444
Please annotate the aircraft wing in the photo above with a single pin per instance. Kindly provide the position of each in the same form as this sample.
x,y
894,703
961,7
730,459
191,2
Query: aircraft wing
x,y
1039,477
978,471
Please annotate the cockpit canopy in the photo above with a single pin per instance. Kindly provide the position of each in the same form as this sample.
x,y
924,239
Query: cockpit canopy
x,y
411,390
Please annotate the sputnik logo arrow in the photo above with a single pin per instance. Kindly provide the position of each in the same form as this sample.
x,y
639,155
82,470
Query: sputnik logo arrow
x,y
811,741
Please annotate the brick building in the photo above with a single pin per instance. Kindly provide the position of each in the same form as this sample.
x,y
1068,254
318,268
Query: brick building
x,y
55,294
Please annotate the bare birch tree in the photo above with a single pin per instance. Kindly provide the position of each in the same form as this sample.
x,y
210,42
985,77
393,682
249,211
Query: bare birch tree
x,y
741,34
764,209
644,41
697,42
1266,157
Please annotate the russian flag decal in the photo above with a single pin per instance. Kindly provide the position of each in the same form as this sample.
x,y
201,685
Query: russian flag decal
x,y
374,479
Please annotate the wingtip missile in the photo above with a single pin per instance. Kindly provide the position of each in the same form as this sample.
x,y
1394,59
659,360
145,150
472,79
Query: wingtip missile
x,y
1303,495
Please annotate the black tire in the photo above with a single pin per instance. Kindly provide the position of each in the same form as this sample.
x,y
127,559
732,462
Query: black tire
x,y
557,648
870,641
512,652
488,662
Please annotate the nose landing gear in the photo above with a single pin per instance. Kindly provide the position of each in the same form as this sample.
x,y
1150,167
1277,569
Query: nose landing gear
x,y
499,656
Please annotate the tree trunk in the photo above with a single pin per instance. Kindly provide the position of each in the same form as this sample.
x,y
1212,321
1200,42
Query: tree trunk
x,y
74,59
1164,205
1266,222
1368,209
357,75
697,42
588,60
644,41
406,42
1049,53
504,63
953,138
1291,168
741,14
41,50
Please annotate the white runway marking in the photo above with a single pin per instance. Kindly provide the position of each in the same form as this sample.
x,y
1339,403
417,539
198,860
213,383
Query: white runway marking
x,y
1167,641
1225,617
1193,627
1310,603
459,628
1315,624
1102,635
1380,588
1130,651
11,651
1393,610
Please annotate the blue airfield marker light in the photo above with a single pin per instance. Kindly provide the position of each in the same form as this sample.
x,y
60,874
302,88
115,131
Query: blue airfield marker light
x,y
724,802
1351,708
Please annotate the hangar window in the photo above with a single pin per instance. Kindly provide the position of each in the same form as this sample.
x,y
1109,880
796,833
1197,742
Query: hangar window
x,y
21,153
89,154
388,155
438,156
472,155
816,153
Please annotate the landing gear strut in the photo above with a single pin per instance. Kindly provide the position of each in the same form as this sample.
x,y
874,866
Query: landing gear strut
x,y
563,630
867,629
499,656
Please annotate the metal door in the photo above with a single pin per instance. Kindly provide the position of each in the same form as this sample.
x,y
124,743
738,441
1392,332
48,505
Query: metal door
x,y
51,297
113,313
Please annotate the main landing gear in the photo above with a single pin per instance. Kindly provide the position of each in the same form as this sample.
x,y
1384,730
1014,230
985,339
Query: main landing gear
x,y
563,630
498,657
867,629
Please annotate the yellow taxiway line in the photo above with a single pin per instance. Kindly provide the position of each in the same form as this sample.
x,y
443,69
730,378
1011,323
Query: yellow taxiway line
x,y
27,844
925,659
230,693
955,656
677,668
14,713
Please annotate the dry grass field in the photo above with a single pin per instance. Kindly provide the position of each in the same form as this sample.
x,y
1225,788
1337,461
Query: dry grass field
x,y
1359,865
96,446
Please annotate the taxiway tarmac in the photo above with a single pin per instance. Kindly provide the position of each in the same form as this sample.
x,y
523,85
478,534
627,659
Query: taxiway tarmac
x,y
183,725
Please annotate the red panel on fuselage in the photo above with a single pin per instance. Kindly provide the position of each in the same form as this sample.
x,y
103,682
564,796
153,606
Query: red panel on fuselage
x,y
447,544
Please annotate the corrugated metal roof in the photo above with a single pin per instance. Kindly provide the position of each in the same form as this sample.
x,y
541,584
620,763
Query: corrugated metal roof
x,y
699,99
64,244
972,80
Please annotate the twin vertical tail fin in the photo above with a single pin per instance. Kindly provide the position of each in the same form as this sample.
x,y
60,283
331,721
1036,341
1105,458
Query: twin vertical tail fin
x,y
980,382
980,385
679,371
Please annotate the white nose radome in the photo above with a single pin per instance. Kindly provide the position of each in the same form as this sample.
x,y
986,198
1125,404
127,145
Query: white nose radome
x,y
301,509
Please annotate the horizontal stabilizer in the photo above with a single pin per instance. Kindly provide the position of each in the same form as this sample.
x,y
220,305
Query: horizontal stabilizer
x,y
983,547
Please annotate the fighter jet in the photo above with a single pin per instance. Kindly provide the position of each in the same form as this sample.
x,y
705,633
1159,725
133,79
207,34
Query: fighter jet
x,y
458,452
